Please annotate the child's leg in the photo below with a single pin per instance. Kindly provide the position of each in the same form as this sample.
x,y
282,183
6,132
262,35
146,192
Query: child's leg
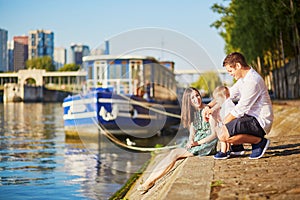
x,y
227,146
224,147
222,154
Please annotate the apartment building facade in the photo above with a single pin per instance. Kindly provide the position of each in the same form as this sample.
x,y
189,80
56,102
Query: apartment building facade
x,y
77,52
20,52
3,50
40,43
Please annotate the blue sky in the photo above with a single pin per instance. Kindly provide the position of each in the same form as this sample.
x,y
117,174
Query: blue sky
x,y
91,22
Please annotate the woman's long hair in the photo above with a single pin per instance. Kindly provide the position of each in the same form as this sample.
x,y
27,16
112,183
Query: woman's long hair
x,y
187,109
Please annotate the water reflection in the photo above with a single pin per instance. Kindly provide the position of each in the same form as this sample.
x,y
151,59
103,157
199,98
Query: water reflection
x,y
38,162
102,174
27,144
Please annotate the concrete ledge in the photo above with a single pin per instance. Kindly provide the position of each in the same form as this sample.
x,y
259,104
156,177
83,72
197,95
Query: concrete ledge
x,y
195,177
189,178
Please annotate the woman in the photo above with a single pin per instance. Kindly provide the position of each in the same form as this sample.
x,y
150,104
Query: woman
x,y
201,141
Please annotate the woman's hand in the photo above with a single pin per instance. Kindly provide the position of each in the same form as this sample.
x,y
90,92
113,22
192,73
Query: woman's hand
x,y
191,144
194,144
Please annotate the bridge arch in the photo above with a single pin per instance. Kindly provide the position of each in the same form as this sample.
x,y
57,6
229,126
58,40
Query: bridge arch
x,y
36,75
30,81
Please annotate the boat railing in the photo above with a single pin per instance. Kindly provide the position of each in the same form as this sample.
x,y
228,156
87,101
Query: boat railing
x,y
118,86
121,86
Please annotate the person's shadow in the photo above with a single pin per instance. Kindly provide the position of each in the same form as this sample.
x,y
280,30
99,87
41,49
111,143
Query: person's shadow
x,y
283,150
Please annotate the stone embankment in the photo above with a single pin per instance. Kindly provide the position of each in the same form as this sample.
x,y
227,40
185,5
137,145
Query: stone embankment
x,y
275,176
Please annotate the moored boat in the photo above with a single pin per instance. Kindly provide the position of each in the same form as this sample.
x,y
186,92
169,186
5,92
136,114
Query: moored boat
x,y
128,94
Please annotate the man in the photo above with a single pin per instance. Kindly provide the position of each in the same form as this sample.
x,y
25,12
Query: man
x,y
252,117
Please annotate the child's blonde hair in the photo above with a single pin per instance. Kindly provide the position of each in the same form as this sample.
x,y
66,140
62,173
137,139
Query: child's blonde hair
x,y
221,91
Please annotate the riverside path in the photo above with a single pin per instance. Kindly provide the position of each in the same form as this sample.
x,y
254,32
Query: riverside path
x,y
274,176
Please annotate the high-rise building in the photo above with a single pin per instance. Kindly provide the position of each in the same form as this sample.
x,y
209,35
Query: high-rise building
x,y
77,52
3,51
40,43
60,57
20,52
10,48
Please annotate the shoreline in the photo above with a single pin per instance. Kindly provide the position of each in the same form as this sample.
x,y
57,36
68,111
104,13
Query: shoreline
x,y
211,179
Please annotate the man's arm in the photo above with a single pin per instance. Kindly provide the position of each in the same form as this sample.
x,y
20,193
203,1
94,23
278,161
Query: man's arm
x,y
228,118
211,104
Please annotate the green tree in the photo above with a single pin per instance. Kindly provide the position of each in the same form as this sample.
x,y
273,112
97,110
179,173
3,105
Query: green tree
x,y
265,31
225,25
207,82
40,63
70,67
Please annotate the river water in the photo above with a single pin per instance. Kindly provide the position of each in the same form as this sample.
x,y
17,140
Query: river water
x,y
39,162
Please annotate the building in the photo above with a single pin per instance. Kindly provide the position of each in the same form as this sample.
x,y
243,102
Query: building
x,y
40,43
77,52
10,48
3,51
20,52
60,57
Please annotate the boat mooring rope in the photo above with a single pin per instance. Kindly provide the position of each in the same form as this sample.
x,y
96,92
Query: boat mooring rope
x,y
150,108
115,140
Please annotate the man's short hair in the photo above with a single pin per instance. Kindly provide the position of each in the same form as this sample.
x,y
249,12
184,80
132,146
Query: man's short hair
x,y
233,58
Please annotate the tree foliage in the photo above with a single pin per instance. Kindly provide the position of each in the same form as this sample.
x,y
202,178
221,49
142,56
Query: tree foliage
x,y
207,82
70,67
265,31
40,63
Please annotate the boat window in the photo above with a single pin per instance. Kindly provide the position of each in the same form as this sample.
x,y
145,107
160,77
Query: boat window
x,y
101,69
125,70
147,72
158,73
118,71
118,76
136,69
137,76
114,71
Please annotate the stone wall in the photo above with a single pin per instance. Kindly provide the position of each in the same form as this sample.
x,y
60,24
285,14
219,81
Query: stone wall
x,y
33,93
14,93
54,95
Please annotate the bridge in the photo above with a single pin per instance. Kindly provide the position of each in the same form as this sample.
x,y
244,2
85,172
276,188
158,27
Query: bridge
x,y
29,84
69,81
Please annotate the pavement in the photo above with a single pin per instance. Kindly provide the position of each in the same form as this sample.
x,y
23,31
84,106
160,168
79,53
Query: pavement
x,y
274,176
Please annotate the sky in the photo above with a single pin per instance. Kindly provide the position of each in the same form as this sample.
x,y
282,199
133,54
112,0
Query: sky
x,y
178,30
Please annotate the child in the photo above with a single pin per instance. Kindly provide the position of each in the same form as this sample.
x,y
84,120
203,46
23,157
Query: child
x,y
223,106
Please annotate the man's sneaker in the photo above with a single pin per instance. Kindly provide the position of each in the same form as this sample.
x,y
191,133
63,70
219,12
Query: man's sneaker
x,y
237,150
221,155
259,149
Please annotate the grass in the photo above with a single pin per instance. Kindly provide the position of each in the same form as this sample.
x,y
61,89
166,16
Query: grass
x,y
217,183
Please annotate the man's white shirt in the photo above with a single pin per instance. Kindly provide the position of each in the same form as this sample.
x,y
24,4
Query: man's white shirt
x,y
253,98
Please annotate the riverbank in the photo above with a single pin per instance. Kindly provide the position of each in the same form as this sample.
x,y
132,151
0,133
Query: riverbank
x,y
274,176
